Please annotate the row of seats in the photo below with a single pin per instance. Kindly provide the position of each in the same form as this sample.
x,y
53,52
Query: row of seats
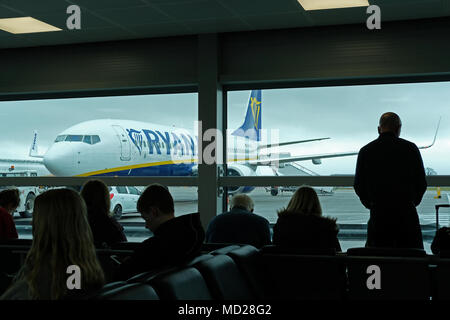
x,y
246,273
237,272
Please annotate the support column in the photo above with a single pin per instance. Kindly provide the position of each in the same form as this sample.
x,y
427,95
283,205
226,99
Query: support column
x,y
210,113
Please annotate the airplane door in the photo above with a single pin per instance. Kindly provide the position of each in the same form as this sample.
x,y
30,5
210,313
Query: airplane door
x,y
125,147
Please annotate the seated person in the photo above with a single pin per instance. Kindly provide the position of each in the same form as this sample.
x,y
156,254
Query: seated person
x,y
240,225
106,229
441,241
9,201
61,238
175,239
302,226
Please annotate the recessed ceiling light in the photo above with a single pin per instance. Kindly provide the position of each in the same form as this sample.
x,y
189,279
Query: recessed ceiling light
x,y
332,4
25,25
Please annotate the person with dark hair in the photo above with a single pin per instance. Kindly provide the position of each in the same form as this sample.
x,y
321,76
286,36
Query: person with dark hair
x,y
106,229
390,181
175,239
9,201
301,224
239,225
61,238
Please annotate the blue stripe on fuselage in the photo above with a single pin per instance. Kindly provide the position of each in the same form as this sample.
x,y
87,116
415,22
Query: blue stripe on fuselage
x,y
182,169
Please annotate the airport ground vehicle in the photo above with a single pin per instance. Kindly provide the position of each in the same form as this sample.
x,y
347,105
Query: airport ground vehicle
x,y
123,200
320,190
27,194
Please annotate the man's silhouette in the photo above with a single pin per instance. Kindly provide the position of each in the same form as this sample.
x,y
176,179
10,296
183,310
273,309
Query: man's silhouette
x,y
390,181
175,239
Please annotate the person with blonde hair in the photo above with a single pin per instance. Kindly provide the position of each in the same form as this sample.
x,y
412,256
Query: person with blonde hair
x,y
61,238
105,229
301,224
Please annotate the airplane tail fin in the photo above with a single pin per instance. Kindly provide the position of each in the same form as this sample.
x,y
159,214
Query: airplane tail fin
x,y
34,147
251,128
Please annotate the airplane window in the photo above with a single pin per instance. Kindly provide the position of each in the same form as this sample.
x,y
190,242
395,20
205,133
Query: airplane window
x,y
74,138
95,139
60,138
87,139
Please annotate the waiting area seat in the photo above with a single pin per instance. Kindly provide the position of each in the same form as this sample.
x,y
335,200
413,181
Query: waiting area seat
x,y
186,284
302,274
126,291
388,274
224,279
243,272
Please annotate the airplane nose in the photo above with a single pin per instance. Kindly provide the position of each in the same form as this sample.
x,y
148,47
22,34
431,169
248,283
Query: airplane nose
x,y
59,159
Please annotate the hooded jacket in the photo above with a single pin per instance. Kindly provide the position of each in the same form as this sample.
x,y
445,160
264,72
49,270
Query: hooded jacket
x,y
305,231
175,241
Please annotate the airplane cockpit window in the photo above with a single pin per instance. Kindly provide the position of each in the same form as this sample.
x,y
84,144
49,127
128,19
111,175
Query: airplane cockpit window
x,y
74,138
87,139
95,139
60,138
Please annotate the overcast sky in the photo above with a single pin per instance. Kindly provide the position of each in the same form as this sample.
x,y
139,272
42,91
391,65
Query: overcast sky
x,y
348,115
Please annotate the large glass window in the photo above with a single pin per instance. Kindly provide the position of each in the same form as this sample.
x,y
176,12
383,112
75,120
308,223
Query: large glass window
x,y
345,117
112,136
319,131
123,207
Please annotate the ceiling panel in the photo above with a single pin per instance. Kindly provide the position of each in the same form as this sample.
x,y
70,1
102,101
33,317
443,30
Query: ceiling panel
x,y
106,4
252,7
33,7
216,25
104,20
134,16
160,29
277,21
196,10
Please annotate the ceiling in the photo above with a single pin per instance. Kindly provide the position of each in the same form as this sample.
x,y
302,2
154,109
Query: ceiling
x,y
105,20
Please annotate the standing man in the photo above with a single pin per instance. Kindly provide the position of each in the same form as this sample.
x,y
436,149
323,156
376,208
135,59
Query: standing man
x,y
390,181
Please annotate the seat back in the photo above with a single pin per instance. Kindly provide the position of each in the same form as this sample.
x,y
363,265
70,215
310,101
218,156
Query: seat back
x,y
442,279
247,260
185,284
224,279
134,291
402,274
303,277
225,250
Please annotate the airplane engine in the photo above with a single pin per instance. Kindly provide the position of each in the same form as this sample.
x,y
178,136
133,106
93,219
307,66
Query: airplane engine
x,y
237,170
316,161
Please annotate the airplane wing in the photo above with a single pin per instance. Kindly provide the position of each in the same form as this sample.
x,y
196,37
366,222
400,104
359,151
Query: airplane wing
x,y
434,139
316,158
280,160
288,143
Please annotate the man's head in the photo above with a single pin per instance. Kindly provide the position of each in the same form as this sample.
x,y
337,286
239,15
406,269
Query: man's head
x,y
156,206
390,122
10,200
242,201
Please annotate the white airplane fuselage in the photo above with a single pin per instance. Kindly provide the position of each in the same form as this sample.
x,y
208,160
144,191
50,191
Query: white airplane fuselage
x,y
131,148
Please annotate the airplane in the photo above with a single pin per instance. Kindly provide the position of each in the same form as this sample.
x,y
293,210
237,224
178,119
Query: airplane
x,y
115,147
